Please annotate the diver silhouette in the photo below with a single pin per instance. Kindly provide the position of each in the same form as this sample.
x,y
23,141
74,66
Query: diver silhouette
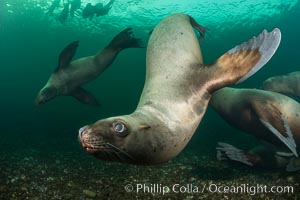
x,y
64,13
99,10
54,5
70,6
75,4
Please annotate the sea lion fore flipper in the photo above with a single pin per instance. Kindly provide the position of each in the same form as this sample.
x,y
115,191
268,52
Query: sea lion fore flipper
x,y
84,96
242,61
266,44
125,39
67,54
276,122
228,152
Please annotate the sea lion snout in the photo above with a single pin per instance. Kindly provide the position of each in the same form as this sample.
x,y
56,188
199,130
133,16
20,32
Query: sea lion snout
x,y
81,131
91,143
45,95
39,100
268,84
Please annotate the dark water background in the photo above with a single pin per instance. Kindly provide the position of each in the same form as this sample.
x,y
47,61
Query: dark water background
x,y
29,49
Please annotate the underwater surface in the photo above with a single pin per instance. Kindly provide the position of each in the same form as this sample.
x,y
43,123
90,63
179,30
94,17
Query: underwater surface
x,y
40,156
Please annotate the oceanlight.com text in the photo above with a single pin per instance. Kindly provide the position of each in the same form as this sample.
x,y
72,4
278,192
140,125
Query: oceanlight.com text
x,y
207,188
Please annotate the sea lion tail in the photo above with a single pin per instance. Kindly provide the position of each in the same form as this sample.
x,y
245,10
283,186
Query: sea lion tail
x,y
228,152
125,39
244,60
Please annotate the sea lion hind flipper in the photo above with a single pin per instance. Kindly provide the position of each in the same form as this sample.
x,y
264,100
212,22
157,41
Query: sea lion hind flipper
x,y
276,122
228,152
67,54
241,62
84,96
201,29
293,165
125,39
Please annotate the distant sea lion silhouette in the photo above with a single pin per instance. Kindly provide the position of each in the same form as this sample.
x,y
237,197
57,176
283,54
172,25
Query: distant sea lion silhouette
x,y
177,90
288,84
263,156
69,76
269,116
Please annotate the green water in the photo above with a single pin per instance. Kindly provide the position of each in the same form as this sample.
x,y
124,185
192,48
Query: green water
x,y
30,42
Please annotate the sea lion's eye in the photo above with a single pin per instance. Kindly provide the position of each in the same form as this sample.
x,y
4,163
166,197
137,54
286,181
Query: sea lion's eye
x,y
120,129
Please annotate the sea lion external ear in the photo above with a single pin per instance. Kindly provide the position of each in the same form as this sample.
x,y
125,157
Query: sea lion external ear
x,y
67,54
145,126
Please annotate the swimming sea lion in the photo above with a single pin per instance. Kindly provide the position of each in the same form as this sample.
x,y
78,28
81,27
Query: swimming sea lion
x,y
287,84
69,76
263,156
267,115
177,90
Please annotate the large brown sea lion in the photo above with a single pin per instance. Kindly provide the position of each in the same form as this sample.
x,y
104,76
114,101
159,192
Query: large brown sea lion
x,y
270,116
69,76
176,93
286,84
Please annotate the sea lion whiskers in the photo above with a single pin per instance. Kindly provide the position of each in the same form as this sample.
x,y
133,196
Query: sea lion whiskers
x,y
118,150
113,153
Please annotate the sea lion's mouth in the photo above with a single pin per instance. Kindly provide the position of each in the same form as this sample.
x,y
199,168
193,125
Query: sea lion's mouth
x,y
92,148
107,151
104,150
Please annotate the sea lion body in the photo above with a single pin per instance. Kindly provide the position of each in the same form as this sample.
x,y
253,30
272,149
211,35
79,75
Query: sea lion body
x,y
81,71
69,76
175,96
286,84
259,112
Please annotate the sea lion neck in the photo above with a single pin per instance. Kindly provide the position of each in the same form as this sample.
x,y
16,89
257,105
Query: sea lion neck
x,y
150,109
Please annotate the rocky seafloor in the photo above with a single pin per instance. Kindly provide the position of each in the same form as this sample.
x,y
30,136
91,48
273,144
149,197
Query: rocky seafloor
x,y
34,173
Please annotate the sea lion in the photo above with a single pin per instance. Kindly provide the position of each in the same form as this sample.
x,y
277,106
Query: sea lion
x,y
263,156
267,115
287,84
177,90
69,76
